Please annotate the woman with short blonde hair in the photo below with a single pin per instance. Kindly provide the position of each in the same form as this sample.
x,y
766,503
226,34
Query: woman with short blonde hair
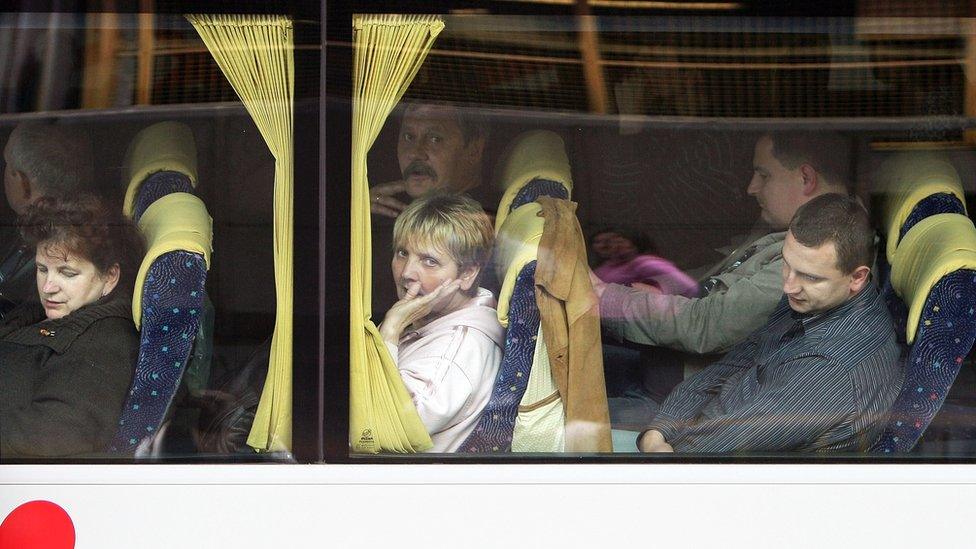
x,y
443,332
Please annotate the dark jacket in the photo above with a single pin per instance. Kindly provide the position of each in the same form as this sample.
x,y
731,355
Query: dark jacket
x,y
63,382
17,281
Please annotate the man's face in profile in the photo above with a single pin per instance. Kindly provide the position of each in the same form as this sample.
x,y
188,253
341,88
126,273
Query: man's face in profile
x,y
432,151
778,189
11,183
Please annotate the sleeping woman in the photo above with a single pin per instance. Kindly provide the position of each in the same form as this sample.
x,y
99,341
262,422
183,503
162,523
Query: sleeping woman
x,y
443,332
67,358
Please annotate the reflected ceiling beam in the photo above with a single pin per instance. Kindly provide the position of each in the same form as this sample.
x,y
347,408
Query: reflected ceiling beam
x,y
589,44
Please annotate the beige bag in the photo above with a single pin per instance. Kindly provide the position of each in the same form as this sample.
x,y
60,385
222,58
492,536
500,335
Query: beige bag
x,y
539,426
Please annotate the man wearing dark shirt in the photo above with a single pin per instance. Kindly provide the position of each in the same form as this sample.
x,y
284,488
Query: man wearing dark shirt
x,y
823,372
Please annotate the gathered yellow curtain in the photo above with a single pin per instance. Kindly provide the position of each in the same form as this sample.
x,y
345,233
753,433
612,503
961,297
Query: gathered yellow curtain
x,y
256,54
389,50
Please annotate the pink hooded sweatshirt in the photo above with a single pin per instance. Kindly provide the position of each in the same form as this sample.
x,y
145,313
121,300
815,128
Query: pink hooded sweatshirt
x,y
449,367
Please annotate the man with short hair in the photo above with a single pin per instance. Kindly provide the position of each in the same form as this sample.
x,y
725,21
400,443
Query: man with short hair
x,y
44,159
740,292
737,294
822,373
439,146
40,159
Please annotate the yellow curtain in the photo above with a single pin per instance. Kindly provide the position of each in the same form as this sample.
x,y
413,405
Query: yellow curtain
x,y
389,50
256,54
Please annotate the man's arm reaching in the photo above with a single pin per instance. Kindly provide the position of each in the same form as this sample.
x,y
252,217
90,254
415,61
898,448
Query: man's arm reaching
x,y
698,325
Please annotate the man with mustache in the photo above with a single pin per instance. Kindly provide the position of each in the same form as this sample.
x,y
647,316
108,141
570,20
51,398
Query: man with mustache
x,y
439,147
740,292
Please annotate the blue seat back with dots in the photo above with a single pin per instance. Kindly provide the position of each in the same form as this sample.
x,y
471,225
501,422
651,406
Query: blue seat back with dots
x,y
933,361
171,297
493,432
516,247
933,299
934,204
916,185
539,187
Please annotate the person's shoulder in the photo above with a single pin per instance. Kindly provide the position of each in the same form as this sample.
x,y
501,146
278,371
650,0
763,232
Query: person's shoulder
x,y
113,332
482,316
858,332
112,323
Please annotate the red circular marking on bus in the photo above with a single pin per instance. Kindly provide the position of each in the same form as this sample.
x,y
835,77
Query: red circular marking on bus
x,y
37,525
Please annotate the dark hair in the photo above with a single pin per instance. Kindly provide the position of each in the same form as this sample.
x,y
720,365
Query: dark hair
x,y
85,226
638,238
56,158
472,122
828,152
839,219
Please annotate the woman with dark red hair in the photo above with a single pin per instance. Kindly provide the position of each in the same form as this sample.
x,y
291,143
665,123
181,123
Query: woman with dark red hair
x,y
67,359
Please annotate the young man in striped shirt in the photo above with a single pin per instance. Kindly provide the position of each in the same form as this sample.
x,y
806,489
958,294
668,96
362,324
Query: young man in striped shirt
x,y
823,372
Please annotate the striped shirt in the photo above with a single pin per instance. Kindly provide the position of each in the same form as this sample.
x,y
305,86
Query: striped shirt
x,y
820,383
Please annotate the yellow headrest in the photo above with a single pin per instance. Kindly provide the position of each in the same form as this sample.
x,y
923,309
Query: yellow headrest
x,y
166,146
177,221
516,245
933,248
536,154
907,178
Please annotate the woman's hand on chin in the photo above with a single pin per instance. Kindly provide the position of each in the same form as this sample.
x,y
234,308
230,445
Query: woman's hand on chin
x,y
412,308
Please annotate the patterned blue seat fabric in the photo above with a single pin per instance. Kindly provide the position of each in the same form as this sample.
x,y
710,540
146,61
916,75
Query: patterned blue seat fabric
x,y
934,204
173,303
159,185
493,433
945,336
536,188
172,306
928,206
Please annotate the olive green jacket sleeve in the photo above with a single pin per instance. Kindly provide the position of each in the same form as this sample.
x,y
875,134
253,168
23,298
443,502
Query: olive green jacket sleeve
x,y
739,304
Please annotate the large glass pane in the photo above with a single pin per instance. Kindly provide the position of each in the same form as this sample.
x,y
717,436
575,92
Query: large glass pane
x,y
698,314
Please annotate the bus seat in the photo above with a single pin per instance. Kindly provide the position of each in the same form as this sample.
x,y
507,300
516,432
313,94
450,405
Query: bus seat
x,y
934,274
536,165
516,247
917,185
169,297
163,147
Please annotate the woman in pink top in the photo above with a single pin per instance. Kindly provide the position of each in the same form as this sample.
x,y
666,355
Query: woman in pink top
x,y
624,259
444,333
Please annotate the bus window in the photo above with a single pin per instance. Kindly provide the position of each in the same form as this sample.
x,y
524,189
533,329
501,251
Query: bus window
x,y
136,111
655,313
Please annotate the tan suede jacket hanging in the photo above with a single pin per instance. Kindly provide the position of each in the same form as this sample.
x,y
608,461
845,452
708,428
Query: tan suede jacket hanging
x,y
570,319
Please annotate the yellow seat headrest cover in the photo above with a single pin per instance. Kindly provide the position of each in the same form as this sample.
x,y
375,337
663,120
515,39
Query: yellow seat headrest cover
x,y
166,146
516,245
536,154
933,248
907,178
177,221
